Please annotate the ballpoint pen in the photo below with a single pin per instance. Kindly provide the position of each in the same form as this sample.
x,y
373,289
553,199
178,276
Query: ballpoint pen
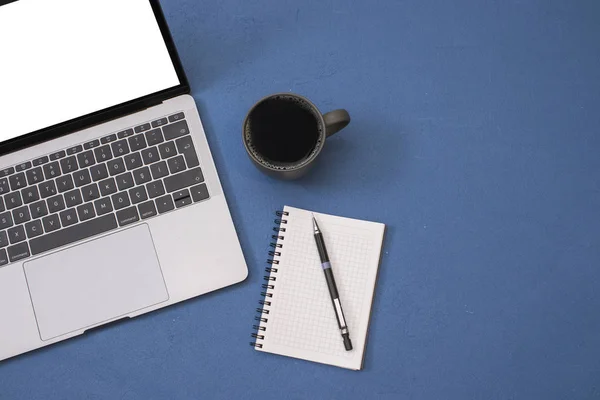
x,y
335,297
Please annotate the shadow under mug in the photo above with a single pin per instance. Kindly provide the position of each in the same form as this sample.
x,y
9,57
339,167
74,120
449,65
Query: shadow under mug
x,y
284,133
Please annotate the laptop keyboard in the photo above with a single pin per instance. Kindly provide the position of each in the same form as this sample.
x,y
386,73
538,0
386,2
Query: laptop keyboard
x,y
98,186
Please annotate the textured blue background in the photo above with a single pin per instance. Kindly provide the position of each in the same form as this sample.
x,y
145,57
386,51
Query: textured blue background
x,y
475,138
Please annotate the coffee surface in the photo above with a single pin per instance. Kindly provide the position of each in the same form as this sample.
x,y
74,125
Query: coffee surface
x,y
283,130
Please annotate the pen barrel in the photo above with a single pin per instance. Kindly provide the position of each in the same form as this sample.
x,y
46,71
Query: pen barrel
x,y
321,248
333,291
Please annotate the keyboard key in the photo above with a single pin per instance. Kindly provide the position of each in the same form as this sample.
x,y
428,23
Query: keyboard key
x,y
57,155
103,206
72,234
108,139
4,186
186,147
64,183
2,207
138,194
16,234
99,172
128,216
142,128
51,223
86,159
91,144
47,189
7,171
155,189
107,186
120,200
176,164
17,181
56,203
120,148
183,179
18,252
35,175
125,133
3,257
90,192
142,176
137,142
176,130
13,200
159,122
23,166
103,153
116,166
159,170
182,198
199,192
21,215
180,194
34,228
86,211
30,194
73,198
164,204
38,209
176,117
124,181
150,155
146,210
133,161
40,161
82,177
186,201
6,220
75,149
167,150
154,136
68,217
3,239
68,164
52,170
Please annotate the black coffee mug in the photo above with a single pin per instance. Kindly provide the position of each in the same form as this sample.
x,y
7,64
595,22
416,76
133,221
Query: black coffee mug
x,y
284,134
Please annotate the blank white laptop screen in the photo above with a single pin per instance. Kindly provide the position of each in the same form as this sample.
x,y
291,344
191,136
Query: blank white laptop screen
x,y
63,59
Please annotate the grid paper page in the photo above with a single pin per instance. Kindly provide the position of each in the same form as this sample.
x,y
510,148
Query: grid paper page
x,y
301,320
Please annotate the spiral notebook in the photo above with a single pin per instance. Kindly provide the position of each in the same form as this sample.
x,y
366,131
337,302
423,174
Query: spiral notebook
x,y
296,315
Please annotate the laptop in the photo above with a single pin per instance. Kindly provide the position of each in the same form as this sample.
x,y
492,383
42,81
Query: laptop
x,y
110,203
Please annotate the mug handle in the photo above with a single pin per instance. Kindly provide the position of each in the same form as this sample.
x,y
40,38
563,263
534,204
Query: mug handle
x,y
335,121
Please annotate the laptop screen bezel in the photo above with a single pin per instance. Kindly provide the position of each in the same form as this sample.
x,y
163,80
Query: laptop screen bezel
x,y
117,111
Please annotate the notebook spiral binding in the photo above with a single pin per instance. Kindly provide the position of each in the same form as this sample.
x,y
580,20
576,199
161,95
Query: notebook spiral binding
x,y
263,310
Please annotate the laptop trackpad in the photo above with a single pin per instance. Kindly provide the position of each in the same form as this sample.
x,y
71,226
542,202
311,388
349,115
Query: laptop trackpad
x,y
95,282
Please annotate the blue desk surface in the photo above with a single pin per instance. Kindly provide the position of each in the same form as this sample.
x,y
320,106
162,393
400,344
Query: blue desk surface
x,y
475,138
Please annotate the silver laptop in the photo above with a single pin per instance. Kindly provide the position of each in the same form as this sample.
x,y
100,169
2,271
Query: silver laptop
x,y
110,203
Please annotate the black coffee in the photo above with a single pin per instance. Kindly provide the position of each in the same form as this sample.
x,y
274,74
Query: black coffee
x,y
283,130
